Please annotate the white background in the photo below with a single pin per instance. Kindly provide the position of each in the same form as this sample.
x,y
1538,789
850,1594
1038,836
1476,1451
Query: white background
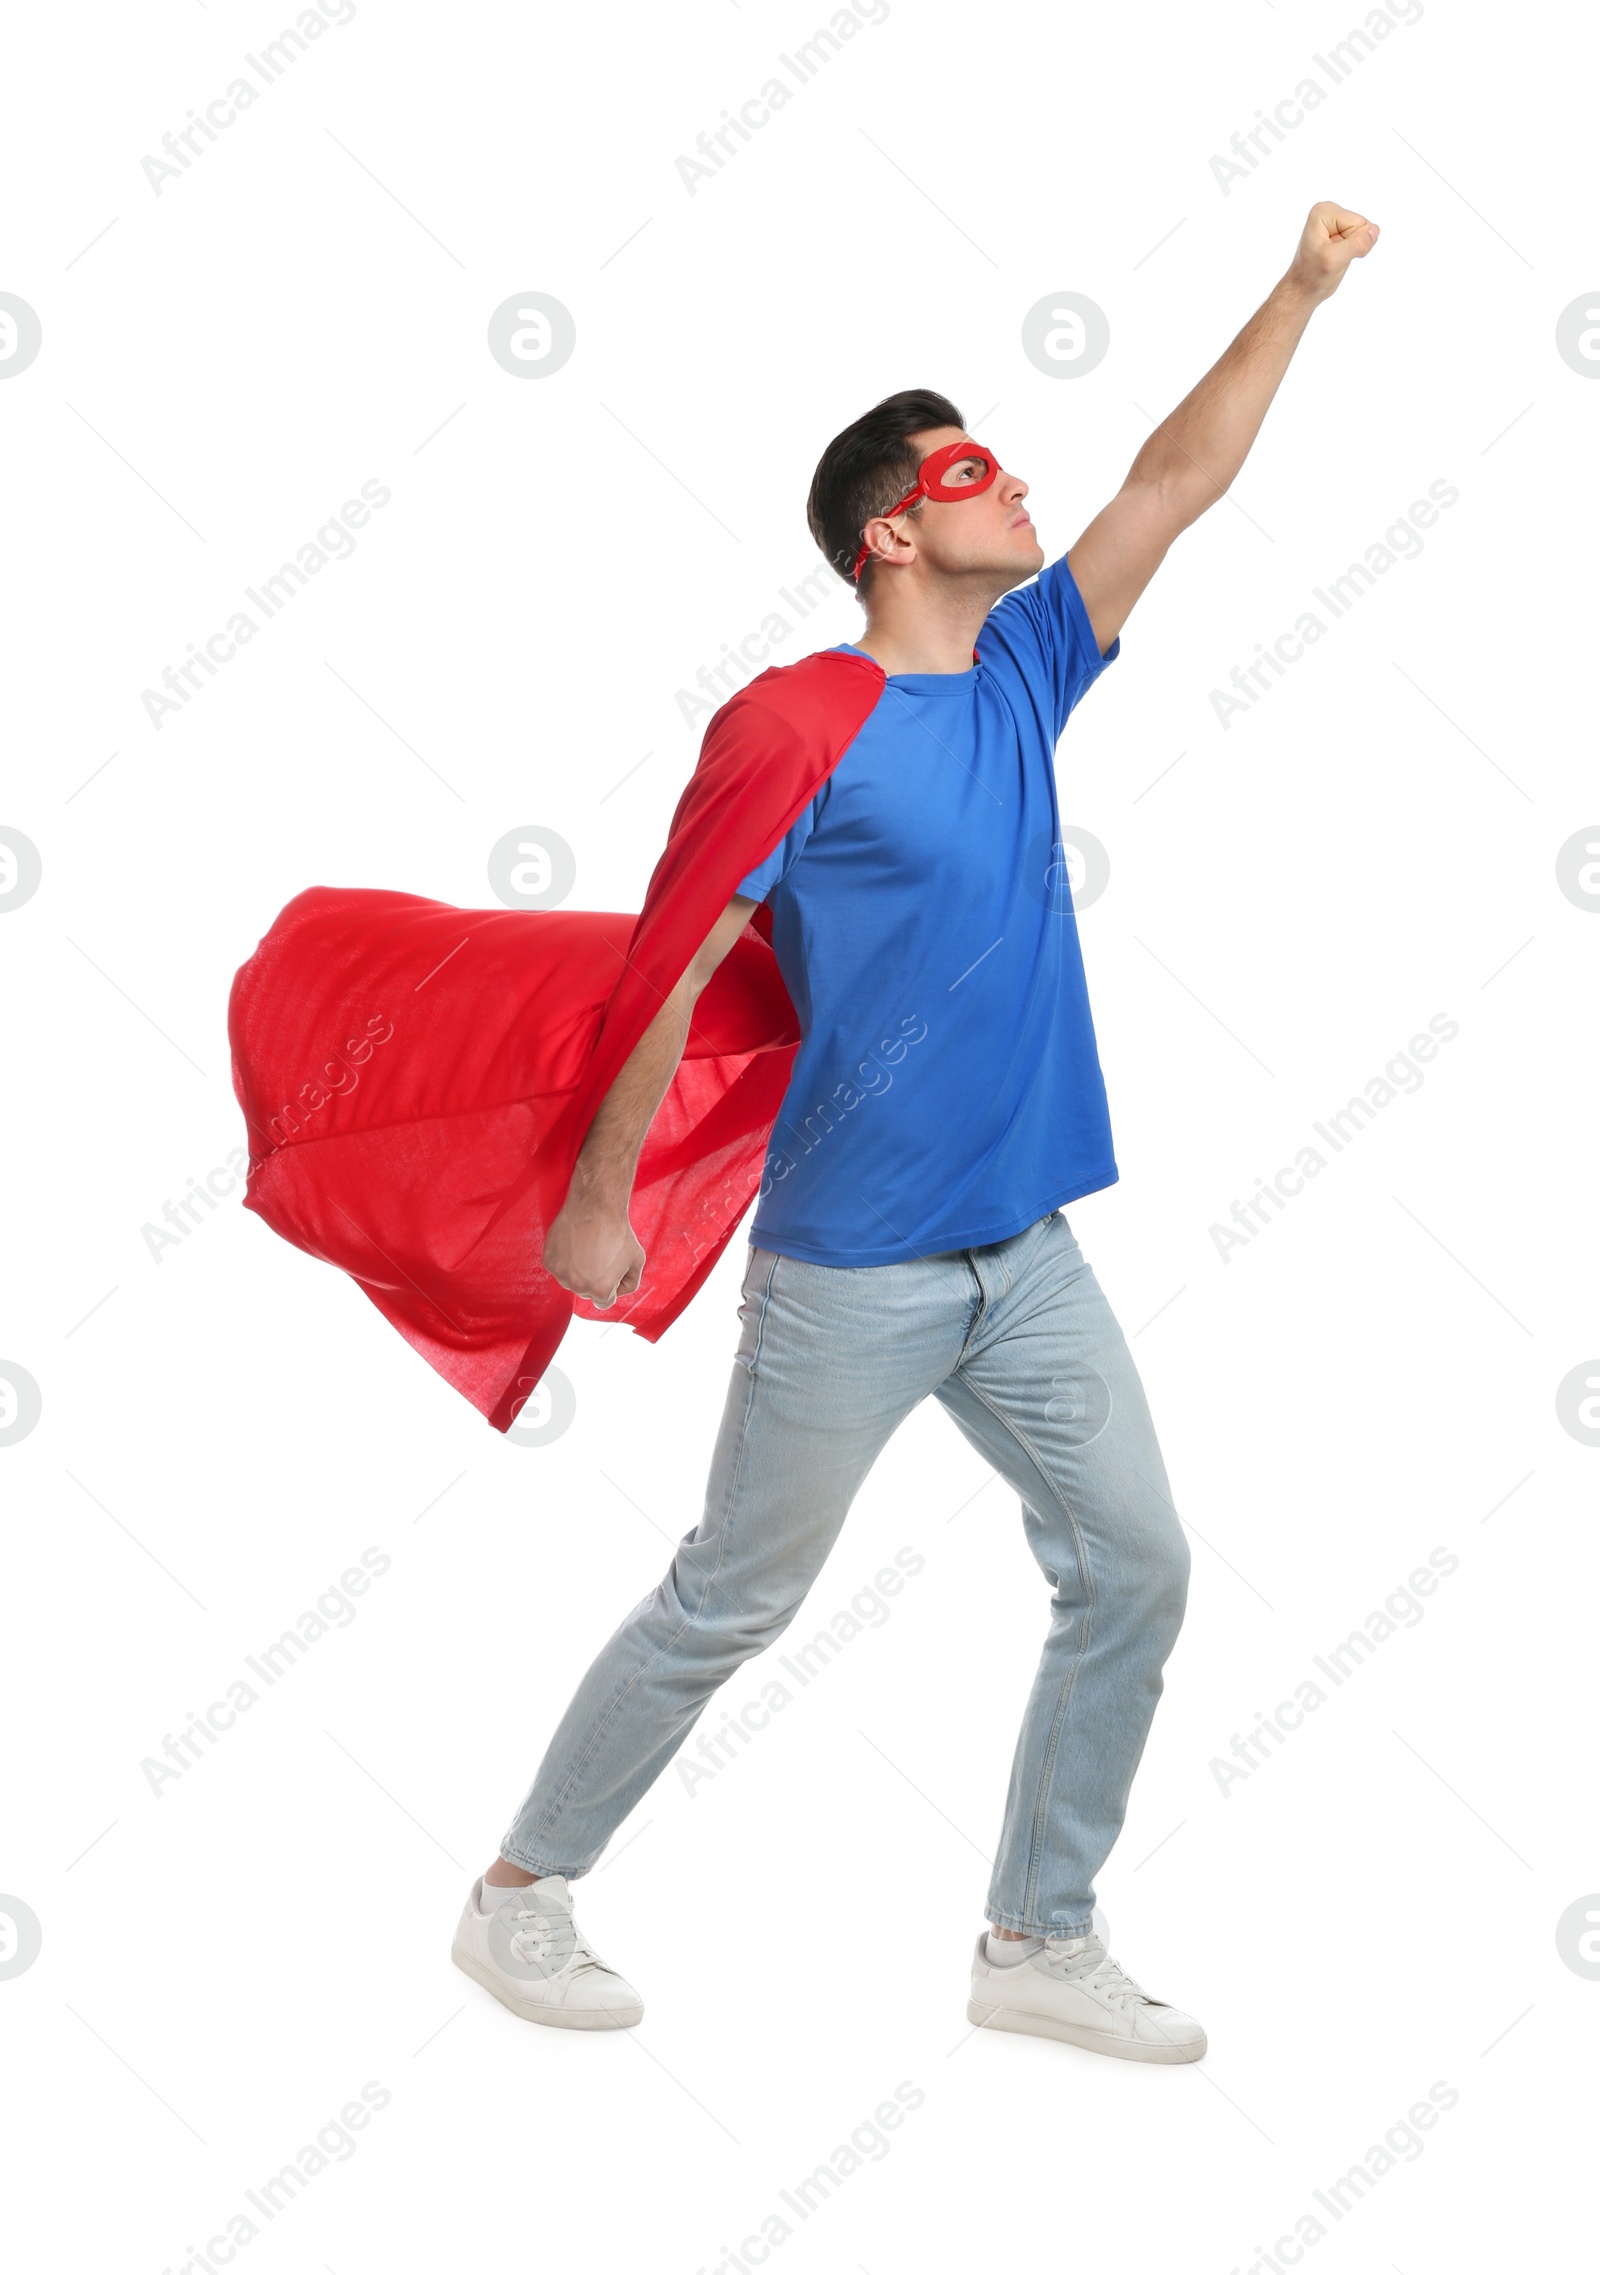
x,y
1372,1378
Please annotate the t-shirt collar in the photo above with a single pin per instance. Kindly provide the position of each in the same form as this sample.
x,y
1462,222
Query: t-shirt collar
x,y
919,682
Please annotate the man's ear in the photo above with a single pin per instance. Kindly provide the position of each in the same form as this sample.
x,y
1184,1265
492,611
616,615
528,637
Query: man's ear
x,y
898,547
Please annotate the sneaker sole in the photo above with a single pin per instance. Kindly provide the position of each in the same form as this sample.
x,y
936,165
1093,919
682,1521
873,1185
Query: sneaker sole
x,y
556,2017
1074,2034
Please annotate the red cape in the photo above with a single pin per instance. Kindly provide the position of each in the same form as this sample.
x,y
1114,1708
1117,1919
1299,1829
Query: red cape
x,y
417,1079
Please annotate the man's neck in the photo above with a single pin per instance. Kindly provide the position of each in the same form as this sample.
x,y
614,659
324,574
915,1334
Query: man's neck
x,y
926,633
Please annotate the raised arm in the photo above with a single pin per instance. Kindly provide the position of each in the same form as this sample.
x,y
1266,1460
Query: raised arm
x,y
590,1248
1195,453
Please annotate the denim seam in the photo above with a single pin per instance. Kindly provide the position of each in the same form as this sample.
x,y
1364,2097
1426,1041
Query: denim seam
x,y
973,1313
1022,1924
1069,1679
559,1800
544,1871
1039,1228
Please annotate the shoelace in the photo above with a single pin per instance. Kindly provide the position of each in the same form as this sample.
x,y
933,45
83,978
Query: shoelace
x,y
532,1941
1096,1970
539,1930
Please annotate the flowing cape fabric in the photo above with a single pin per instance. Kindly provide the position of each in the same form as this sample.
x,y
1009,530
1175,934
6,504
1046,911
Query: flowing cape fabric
x,y
417,1079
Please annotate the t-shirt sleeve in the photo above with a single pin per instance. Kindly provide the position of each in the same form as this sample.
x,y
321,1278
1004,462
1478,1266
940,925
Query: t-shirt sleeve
x,y
1042,632
779,861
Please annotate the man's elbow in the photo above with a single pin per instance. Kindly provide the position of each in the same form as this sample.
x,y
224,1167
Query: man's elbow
x,y
728,929
695,981
1166,503
1193,489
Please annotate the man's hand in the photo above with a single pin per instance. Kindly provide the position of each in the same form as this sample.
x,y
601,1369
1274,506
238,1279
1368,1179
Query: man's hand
x,y
1329,242
591,1251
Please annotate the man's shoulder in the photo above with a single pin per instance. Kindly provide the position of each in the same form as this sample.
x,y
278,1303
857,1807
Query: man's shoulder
x,y
830,692
769,749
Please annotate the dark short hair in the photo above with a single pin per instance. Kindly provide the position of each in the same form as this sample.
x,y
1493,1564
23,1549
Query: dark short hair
x,y
866,468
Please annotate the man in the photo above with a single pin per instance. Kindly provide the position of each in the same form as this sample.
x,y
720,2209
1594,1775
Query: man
x,y
946,1103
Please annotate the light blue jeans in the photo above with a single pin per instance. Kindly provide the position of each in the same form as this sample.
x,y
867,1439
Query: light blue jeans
x,y
1020,1347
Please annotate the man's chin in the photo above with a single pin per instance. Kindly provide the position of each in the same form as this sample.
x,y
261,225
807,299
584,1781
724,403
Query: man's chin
x,y
1022,562
1002,572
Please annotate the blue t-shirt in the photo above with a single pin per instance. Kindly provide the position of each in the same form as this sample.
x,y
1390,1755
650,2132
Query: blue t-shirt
x,y
947,1091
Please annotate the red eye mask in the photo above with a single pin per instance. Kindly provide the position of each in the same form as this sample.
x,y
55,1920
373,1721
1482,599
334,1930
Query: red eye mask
x,y
931,483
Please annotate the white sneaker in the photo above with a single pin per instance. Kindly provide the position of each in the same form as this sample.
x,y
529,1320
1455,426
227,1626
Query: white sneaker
x,y
1074,1989
532,1955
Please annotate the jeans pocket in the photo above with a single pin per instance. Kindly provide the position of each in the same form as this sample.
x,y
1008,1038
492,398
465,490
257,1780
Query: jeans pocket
x,y
754,1296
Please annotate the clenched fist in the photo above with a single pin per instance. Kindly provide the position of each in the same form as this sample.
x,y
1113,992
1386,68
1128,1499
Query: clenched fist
x,y
1329,242
591,1251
